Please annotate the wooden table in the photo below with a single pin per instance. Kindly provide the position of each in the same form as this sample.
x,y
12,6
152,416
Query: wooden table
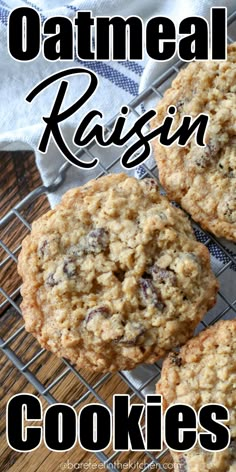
x,y
19,176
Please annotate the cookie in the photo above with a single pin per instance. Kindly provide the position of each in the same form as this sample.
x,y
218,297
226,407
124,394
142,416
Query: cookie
x,y
204,371
203,180
113,276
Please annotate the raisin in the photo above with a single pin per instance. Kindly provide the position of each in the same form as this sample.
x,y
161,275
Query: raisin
x,y
97,240
204,159
175,359
69,268
163,275
49,247
151,183
227,170
149,294
179,104
99,311
51,282
42,247
182,465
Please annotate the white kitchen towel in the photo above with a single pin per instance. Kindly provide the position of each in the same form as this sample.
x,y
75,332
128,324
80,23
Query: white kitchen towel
x,y
119,82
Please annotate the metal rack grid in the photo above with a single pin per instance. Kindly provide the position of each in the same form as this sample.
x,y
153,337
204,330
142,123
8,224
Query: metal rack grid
x,y
223,307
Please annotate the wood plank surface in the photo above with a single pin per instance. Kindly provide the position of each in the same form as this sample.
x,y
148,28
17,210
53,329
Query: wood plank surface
x,y
18,177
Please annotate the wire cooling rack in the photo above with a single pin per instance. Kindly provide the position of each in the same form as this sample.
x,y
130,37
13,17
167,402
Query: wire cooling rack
x,y
92,387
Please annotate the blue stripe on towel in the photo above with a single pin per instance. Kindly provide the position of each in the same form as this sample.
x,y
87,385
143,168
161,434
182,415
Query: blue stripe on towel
x,y
4,4
133,66
4,14
114,76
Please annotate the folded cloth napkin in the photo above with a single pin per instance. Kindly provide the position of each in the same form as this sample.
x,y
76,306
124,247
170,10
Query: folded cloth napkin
x,y
119,82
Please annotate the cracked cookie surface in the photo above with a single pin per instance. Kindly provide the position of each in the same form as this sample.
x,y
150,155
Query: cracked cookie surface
x,y
113,276
203,180
204,371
